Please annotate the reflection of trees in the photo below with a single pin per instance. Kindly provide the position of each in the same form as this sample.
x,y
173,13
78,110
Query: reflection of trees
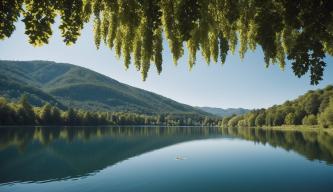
x,y
69,152
311,144
19,137
60,152
24,135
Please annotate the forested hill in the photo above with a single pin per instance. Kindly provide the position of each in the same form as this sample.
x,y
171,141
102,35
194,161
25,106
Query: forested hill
x,y
224,112
313,108
66,85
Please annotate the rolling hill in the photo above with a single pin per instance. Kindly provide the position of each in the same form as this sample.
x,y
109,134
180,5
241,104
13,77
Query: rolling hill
x,y
66,85
224,112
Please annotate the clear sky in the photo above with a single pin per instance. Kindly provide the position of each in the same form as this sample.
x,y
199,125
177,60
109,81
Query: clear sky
x,y
237,83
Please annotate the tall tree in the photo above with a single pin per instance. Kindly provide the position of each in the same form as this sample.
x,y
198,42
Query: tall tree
x,y
25,112
46,115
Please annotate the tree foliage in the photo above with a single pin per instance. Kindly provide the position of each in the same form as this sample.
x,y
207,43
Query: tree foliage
x,y
300,31
310,120
326,117
290,119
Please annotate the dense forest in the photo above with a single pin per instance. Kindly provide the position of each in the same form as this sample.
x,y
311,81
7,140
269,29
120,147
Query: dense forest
x,y
22,113
298,31
313,108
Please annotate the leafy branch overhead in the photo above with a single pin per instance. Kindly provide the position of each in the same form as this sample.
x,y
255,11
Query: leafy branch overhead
x,y
298,30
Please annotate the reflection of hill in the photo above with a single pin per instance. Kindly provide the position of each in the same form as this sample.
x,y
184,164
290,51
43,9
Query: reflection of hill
x,y
57,153
37,154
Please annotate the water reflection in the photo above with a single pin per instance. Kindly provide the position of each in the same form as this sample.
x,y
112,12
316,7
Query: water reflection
x,y
314,145
55,153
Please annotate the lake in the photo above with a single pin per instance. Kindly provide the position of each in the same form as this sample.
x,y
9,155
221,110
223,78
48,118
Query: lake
x,y
164,159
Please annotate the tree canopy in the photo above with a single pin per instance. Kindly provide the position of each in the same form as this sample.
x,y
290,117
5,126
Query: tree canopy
x,y
312,108
299,30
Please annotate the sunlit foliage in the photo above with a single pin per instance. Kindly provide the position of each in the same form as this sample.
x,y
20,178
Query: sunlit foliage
x,y
299,31
312,108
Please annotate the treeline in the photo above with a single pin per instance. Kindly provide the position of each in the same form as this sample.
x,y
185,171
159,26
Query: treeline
x,y
313,108
23,113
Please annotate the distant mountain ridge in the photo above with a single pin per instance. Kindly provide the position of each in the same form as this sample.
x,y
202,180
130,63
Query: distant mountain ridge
x,y
67,85
224,112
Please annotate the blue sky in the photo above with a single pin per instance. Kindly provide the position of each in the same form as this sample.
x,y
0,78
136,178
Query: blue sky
x,y
237,83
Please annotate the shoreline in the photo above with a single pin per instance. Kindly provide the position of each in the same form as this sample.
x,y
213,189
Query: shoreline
x,y
316,128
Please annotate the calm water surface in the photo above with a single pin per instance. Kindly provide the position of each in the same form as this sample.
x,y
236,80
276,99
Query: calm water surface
x,y
164,159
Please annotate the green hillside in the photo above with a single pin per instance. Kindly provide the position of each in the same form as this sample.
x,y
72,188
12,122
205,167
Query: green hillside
x,y
13,89
313,108
224,112
67,85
